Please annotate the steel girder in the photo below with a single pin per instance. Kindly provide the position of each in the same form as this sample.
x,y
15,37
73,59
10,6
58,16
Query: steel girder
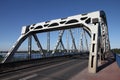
x,y
94,23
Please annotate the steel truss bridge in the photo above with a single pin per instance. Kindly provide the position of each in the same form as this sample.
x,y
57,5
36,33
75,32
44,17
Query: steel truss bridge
x,y
94,24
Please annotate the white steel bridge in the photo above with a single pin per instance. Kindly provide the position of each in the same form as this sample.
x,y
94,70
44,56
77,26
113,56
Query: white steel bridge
x,y
94,24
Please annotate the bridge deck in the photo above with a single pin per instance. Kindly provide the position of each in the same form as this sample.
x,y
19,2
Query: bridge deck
x,y
62,70
73,68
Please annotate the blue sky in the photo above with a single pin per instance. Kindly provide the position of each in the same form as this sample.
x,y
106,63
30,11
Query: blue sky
x,y
16,13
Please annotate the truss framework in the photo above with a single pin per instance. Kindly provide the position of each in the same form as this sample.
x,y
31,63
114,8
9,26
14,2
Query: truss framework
x,y
94,23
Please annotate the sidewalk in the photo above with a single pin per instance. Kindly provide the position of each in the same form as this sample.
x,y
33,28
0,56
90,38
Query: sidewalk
x,y
111,72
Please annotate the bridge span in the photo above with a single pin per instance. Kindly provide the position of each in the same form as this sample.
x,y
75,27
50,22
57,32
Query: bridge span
x,y
94,24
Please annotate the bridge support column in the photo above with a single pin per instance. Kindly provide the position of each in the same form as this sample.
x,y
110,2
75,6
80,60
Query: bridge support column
x,y
29,46
93,62
48,42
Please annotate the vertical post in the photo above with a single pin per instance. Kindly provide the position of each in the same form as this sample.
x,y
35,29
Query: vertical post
x,y
86,41
78,40
67,40
93,62
81,42
29,46
60,47
48,42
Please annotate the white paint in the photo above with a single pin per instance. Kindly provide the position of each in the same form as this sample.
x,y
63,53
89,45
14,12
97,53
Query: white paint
x,y
29,77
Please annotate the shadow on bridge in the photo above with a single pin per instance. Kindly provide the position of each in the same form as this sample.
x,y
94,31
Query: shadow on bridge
x,y
106,63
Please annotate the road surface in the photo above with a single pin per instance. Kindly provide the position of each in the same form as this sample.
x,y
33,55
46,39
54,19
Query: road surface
x,y
63,70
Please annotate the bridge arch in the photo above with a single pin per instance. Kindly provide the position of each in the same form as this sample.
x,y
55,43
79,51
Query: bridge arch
x,y
94,23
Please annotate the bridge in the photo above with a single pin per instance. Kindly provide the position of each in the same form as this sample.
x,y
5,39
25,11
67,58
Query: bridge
x,y
78,30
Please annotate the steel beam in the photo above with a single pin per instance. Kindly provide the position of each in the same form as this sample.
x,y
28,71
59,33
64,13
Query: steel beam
x,y
39,45
73,40
93,61
86,42
81,41
48,42
29,46
59,41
